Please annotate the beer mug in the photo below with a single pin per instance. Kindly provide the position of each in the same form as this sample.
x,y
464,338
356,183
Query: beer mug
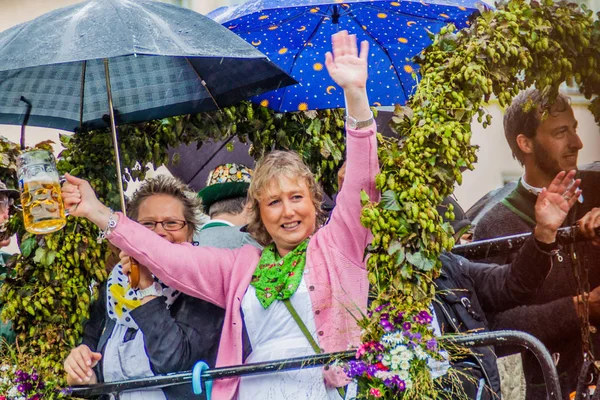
x,y
41,199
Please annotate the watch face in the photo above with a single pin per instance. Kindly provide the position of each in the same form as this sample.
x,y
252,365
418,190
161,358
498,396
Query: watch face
x,y
350,122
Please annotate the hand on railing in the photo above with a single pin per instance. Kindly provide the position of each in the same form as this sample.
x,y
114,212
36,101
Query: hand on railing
x,y
79,364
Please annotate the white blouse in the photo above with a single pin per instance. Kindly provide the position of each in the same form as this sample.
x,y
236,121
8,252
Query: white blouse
x,y
274,335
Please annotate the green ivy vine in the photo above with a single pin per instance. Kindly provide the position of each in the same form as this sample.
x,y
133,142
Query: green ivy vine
x,y
46,293
517,45
503,51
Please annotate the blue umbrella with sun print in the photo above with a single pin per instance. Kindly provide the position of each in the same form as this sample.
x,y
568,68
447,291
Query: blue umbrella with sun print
x,y
296,34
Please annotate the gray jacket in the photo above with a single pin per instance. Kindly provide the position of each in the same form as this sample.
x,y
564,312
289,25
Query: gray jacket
x,y
227,237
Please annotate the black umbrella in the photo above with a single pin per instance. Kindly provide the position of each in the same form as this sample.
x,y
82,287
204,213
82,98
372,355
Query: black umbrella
x,y
194,164
133,60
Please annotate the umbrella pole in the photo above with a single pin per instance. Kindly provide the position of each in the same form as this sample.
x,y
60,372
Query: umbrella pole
x,y
113,128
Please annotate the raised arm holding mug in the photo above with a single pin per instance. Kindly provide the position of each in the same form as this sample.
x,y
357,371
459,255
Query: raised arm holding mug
x,y
319,273
153,330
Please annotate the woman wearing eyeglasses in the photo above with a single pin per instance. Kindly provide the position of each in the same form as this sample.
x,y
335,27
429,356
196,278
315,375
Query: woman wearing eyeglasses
x,y
153,330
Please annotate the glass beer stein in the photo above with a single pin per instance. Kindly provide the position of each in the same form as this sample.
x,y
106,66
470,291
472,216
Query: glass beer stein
x,y
41,199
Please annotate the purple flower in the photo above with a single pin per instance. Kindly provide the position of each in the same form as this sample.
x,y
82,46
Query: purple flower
x,y
432,344
423,318
371,370
355,368
34,376
393,381
21,388
396,382
399,318
406,326
381,307
401,386
387,326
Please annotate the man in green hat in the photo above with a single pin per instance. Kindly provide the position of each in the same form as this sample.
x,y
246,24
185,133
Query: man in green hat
x,y
224,201
7,198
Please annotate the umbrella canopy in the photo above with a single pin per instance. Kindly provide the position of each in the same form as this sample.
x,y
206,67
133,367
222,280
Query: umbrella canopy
x,y
164,61
195,164
295,34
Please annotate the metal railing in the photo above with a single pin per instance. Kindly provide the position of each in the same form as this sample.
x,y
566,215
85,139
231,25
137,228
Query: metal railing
x,y
498,338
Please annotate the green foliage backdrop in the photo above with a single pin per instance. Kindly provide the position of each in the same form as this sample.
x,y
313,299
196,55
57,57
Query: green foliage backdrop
x,y
519,44
47,291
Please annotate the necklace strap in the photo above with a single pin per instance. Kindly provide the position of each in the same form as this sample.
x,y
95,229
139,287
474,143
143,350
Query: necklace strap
x,y
288,304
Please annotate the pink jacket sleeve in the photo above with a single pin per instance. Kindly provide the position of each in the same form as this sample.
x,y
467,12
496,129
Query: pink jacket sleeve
x,y
344,229
203,272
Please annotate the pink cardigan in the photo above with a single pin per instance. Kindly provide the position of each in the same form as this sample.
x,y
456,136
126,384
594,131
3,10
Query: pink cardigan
x,y
335,269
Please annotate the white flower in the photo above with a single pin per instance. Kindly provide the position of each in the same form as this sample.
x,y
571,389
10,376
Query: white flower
x,y
399,349
386,360
406,355
396,359
13,392
420,353
404,375
388,339
381,375
405,365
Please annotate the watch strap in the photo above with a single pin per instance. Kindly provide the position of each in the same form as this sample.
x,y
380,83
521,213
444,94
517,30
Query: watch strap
x,y
352,123
153,290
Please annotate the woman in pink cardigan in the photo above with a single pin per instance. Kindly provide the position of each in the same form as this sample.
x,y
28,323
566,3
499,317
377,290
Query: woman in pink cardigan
x,y
321,273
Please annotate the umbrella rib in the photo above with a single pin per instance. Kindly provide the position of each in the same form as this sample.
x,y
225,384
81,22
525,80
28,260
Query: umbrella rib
x,y
406,14
210,158
203,83
385,51
312,35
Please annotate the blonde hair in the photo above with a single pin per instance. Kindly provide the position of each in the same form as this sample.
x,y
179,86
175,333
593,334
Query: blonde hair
x,y
170,186
274,166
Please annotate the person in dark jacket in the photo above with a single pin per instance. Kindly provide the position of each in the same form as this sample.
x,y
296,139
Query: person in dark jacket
x,y
543,147
153,329
466,291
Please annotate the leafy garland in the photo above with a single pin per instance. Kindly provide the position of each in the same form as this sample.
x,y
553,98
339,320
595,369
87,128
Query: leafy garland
x,y
501,53
46,291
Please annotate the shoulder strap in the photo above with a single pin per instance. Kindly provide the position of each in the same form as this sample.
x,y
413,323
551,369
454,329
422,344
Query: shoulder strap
x,y
520,214
302,326
522,203
311,340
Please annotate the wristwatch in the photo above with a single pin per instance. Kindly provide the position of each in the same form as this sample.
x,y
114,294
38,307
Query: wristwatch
x,y
352,123
153,290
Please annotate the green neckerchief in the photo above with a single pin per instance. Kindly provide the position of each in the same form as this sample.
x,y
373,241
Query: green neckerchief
x,y
522,202
278,278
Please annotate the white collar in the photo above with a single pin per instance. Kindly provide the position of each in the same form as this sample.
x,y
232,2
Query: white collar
x,y
220,221
537,191
530,189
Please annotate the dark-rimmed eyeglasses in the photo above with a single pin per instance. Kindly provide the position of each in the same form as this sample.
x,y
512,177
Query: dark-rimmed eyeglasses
x,y
171,226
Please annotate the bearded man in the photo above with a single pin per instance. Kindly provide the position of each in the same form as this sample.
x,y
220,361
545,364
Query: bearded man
x,y
543,138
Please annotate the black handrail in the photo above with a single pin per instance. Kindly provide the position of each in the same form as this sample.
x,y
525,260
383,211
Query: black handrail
x,y
485,248
498,338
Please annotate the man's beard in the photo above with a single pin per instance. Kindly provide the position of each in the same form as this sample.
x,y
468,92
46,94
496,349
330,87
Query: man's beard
x,y
544,161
